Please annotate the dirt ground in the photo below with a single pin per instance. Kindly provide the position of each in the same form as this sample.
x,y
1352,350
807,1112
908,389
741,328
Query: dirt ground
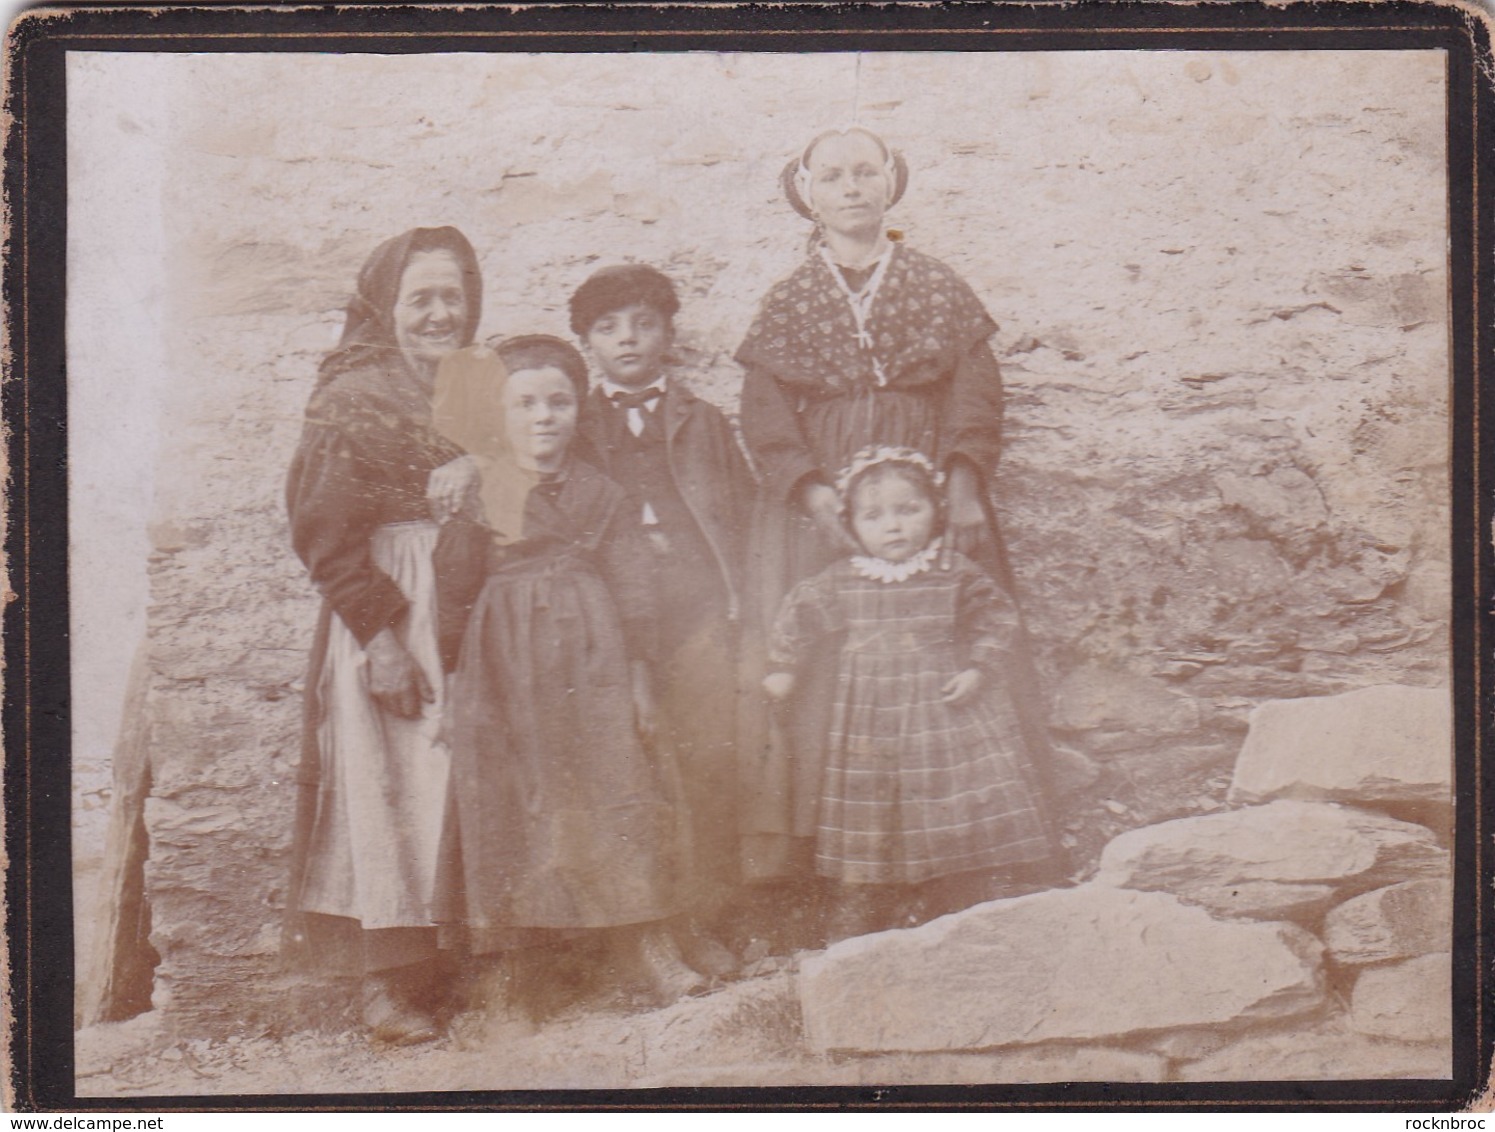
x,y
596,1046
744,1032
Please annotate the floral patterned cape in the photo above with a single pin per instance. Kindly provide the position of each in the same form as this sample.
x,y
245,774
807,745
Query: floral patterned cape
x,y
925,318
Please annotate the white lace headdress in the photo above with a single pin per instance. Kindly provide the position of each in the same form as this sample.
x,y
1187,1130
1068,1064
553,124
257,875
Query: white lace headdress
x,y
870,566
875,454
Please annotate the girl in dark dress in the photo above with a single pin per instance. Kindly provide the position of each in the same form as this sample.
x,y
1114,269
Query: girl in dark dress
x,y
926,773
564,813
368,474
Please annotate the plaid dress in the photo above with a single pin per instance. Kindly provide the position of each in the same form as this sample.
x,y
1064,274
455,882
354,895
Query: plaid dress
x,y
914,788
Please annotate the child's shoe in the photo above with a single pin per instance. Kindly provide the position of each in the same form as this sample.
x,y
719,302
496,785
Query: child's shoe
x,y
704,952
664,973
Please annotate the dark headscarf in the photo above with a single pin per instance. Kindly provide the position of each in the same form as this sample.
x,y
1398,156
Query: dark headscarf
x,y
369,329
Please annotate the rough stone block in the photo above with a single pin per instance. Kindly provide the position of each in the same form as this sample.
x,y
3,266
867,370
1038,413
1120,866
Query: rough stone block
x,y
1410,1001
1092,963
1125,709
1328,1051
1284,844
756,1020
1071,771
1395,922
1388,743
1261,899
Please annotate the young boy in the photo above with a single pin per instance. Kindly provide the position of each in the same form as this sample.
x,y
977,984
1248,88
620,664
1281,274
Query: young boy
x,y
679,457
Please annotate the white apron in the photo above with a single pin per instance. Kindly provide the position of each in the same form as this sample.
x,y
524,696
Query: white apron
x,y
383,791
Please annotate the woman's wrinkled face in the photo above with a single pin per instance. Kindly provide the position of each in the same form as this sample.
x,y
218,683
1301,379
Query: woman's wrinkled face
x,y
540,408
431,308
892,517
849,184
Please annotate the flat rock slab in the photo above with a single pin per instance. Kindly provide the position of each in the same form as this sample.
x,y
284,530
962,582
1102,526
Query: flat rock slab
x,y
1329,1051
1410,1001
1261,899
1283,845
1396,922
1388,743
1092,963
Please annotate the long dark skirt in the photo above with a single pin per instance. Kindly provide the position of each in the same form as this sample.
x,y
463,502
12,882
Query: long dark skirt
x,y
563,819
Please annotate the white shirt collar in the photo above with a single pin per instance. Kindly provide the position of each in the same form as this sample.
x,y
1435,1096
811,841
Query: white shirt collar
x,y
609,388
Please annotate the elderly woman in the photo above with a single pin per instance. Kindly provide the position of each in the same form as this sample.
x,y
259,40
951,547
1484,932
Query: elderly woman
x,y
868,342
367,478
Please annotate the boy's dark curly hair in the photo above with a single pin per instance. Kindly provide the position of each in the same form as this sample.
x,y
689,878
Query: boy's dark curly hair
x,y
619,286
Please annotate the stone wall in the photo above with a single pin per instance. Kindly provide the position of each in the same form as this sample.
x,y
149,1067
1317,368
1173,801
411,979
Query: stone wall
x,y
1220,280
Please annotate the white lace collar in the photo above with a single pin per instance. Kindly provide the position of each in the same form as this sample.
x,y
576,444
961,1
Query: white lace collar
x,y
881,570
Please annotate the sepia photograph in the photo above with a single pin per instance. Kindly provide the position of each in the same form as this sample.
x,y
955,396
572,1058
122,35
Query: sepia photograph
x,y
682,569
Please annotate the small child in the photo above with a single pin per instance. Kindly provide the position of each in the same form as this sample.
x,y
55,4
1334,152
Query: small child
x,y
693,492
927,780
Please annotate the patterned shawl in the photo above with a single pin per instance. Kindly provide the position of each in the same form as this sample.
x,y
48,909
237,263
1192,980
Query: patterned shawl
x,y
924,319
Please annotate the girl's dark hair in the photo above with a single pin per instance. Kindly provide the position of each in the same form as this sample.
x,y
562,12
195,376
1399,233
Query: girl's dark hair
x,y
915,474
535,351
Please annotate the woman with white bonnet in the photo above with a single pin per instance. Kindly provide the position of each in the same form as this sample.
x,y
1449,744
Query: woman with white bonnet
x,y
868,342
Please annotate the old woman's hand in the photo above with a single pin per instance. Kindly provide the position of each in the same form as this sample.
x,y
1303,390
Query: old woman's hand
x,y
449,486
396,681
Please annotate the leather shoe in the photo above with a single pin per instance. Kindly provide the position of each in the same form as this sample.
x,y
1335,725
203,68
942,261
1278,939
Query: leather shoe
x,y
704,952
393,1022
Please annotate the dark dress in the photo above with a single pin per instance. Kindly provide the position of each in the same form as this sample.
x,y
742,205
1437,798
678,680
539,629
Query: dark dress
x,y
914,788
813,395
563,819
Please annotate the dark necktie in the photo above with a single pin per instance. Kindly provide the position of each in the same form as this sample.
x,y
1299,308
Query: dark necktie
x,y
637,408
640,400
